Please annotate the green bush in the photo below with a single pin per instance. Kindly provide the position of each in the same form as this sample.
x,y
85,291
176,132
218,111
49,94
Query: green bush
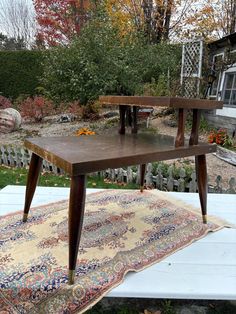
x,y
100,62
20,72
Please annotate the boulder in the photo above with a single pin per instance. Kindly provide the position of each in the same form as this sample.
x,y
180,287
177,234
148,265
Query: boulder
x,y
16,115
7,122
10,120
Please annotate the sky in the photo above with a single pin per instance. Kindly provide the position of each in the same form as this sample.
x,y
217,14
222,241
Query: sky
x,y
6,10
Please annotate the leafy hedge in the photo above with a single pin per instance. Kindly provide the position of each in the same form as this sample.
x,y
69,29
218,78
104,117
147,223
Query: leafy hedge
x,y
20,72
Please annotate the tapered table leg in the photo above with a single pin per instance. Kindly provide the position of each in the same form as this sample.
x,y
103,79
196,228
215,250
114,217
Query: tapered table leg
x,y
75,221
142,176
32,180
201,171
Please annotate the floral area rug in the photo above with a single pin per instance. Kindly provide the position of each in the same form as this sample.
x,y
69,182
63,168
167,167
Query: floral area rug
x,y
122,231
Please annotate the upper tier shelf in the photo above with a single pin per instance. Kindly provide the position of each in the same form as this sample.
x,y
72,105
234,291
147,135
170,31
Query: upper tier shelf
x,y
173,102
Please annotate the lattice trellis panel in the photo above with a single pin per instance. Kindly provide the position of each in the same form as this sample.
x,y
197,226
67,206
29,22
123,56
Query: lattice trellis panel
x,y
191,70
190,87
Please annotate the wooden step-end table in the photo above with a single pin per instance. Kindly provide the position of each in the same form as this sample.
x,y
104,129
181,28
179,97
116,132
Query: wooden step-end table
x,y
79,156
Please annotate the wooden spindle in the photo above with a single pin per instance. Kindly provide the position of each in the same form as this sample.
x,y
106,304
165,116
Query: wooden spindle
x,y
193,140
179,141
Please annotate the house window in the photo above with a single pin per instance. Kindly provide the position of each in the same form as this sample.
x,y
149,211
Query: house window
x,y
229,91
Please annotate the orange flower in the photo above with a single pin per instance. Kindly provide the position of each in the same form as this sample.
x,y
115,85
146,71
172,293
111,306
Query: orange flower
x,y
219,137
212,137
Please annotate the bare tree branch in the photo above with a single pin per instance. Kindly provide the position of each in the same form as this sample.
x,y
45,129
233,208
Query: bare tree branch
x,y
17,20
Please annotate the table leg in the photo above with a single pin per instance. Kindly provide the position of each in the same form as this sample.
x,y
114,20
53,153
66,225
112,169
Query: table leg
x,y
75,221
129,118
122,110
142,176
135,122
201,171
32,180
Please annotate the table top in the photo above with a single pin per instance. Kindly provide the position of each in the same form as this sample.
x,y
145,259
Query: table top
x,y
85,154
156,101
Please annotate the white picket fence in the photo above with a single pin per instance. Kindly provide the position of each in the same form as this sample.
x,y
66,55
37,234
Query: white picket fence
x,y
20,157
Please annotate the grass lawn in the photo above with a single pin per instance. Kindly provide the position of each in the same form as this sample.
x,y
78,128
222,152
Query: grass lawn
x,y
18,176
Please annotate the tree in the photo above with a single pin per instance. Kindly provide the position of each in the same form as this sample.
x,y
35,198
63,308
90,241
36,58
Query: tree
x,y
126,15
11,43
156,19
101,62
210,20
59,21
161,20
17,20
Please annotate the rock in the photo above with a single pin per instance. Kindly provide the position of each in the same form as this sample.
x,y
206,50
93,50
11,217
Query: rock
x,y
10,120
170,122
16,115
7,122
111,114
66,118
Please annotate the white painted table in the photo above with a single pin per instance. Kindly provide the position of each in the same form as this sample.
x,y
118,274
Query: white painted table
x,y
204,270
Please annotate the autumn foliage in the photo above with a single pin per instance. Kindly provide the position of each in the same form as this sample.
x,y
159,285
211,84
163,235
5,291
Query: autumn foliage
x,y
5,102
159,20
60,20
84,131
36,108
211,20
150,17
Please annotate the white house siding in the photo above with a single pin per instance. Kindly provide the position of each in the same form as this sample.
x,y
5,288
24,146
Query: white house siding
x,y
227,112
225,117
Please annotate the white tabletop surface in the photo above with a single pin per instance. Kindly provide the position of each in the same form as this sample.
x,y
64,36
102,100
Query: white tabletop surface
x,y
204,270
